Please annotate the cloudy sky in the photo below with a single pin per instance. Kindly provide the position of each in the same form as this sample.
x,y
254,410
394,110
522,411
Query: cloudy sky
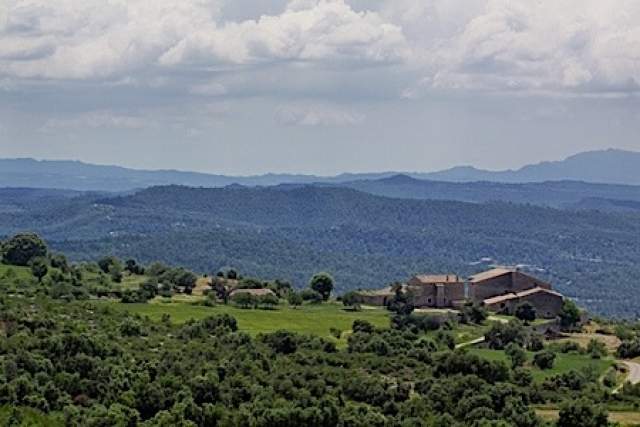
x,y
317,86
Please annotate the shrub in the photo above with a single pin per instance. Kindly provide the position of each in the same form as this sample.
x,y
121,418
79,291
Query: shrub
x,y
544,359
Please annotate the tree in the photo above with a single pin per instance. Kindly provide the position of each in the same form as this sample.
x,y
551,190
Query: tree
x,y
268,300
133,267
22,248
232,274
474,313
402,301
244,300
544,359
570,314
516,354
597,349
294,299
39,268
582,413
115,271
352,299
106,262
311,296
323,284
526,312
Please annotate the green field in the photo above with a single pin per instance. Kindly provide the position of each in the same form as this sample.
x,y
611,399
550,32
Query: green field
x,y
308,319
15,272
563,363
27,417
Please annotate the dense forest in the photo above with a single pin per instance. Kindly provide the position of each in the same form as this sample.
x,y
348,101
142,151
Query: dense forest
x,y
366,241
72,354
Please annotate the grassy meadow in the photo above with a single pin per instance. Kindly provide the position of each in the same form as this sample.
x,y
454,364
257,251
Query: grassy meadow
x,y
315,319
564,362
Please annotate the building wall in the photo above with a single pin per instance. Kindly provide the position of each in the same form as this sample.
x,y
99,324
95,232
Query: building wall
x,y
547,305
491,287
522,282
425,295
380,300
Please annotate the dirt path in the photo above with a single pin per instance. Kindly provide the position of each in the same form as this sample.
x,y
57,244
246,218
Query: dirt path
x,y
634,374
472,342
634,371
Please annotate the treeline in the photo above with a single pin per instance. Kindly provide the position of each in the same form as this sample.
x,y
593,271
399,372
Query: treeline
x,y
85,364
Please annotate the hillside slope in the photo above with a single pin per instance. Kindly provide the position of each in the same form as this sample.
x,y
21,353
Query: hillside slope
x,y
364,240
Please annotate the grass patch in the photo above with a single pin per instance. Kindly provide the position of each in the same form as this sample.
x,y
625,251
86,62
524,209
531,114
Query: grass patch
x,y
308,319
12,272
28,417
563,363
625,418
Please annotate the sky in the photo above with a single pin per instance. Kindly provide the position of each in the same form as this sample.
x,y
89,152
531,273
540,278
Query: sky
x,y
317,86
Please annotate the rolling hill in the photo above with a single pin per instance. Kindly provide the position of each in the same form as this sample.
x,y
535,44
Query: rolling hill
x,y
364,240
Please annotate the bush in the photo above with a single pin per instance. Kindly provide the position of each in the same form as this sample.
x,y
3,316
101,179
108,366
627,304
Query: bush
x,y
22,248
544,359
582,413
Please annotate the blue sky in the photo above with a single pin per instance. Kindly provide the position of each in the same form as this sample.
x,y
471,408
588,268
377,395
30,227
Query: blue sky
x,y
317,86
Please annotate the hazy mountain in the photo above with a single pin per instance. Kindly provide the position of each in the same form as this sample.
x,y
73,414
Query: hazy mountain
x,y
610,166
364,240
607,166
561,194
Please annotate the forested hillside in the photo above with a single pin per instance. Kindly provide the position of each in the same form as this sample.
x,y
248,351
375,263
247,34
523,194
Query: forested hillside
x,y
561,194
364,240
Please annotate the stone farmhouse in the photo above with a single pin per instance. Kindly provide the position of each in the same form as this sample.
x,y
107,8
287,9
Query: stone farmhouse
x,y
500,290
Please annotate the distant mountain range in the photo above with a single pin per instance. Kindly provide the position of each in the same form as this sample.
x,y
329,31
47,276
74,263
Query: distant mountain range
x,y
608,166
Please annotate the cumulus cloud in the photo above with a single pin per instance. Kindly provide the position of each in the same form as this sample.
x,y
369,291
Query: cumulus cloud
x,y
93,39
317,115
569,46
573,45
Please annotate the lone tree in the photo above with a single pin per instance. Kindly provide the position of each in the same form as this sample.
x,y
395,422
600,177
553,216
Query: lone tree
x,y
23,248
570,314
526,312
352,299
323,284
39,268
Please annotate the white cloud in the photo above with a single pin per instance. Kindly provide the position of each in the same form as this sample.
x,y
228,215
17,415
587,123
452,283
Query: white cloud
x,y
317,115
572,45
93,39
569,46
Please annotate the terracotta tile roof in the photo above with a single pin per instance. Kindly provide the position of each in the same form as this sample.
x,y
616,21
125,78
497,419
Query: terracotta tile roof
x,y
256,292
438,278
388,291
518,295
500,298
536,290
490,274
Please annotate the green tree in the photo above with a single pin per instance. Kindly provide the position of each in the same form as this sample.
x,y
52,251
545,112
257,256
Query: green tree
x,y
352,299
244,299
597,349
544,359
323,284
570,314
294,299
22,248
268,300
516,354
39,268
526,312
582,413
